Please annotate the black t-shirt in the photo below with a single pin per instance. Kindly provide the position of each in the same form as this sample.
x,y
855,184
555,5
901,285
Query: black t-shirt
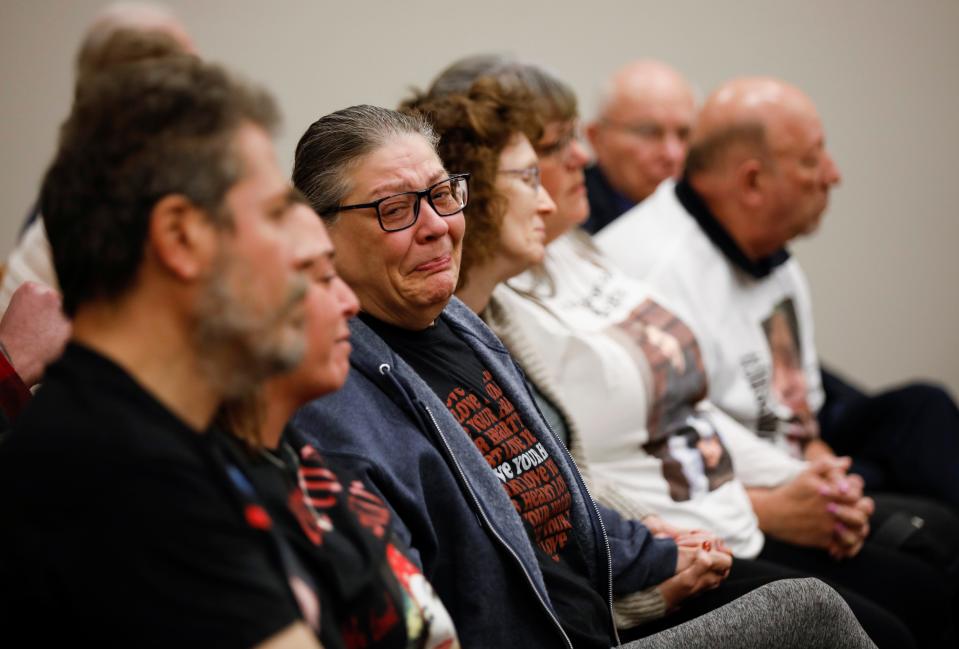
x,y
117,527
123,526
337,536
523,465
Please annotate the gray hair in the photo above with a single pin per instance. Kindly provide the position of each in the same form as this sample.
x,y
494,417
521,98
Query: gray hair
x,y
554,99
459,76
336,143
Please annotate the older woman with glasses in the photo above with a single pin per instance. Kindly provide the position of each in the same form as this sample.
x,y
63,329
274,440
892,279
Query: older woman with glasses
x,y
437,416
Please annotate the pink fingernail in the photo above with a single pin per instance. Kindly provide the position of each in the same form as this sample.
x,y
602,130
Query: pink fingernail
x,y
824,490
844,486
831,508
840,527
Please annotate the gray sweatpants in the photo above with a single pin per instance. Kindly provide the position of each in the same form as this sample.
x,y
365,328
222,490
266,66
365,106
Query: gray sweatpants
x,y
792,613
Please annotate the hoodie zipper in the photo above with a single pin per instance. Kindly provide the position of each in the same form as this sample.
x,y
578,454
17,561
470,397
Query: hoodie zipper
x,y
492,529
592,502
385,369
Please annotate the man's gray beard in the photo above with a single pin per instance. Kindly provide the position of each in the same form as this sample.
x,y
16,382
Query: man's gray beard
x,y
238,350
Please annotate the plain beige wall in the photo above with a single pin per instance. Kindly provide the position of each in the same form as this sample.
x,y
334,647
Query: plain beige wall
x,y
885,75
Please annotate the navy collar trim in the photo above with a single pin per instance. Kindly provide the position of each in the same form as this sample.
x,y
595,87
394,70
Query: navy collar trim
x,y
713,229
619,200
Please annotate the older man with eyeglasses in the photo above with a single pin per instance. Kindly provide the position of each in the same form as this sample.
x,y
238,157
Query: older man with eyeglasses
x,y
639,137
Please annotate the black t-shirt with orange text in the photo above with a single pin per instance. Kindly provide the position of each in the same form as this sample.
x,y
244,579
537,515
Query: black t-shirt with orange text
x,y
523,465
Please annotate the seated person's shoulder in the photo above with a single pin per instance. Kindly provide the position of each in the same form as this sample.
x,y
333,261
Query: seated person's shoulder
x,y
100,417
90,452
137,529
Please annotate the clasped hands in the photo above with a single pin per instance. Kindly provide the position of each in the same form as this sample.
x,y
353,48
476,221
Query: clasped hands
x,y
822,507
846,503
703,561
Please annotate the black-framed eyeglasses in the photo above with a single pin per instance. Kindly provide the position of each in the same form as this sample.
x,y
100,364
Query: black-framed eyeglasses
x,y
400,211
530,175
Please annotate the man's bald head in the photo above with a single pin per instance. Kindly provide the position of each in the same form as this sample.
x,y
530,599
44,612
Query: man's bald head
x,y
126,18
641,79
759,147
749,116
640,135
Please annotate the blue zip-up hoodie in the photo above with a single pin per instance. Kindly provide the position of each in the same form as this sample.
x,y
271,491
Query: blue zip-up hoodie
x,y
387,424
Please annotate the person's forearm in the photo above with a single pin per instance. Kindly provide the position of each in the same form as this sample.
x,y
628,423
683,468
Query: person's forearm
x,y
763,502
816,448
775,513
783,515
295,636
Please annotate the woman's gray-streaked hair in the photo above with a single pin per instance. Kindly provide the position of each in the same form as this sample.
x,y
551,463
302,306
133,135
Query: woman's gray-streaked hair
x,y
460,75
555,100
334,144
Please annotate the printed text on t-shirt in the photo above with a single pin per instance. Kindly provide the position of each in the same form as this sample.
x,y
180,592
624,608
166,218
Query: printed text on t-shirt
x,y
517,457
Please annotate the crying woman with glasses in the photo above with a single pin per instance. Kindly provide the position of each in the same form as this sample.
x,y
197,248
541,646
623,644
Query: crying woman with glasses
x,y
436,416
